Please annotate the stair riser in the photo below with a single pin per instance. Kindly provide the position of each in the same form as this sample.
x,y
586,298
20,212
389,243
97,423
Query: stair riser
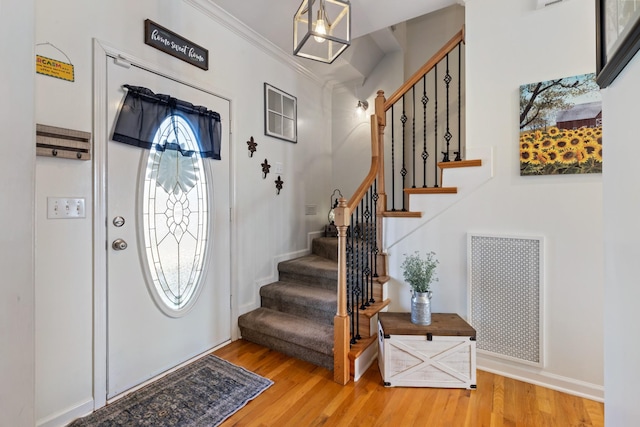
x,y
321,314
380,291
326,247
291,349
309,279
368,325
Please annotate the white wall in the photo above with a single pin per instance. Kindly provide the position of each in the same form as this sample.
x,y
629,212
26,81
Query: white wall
x,y
351,132
267,226
508,44
17,139
621,213
428,33
419,39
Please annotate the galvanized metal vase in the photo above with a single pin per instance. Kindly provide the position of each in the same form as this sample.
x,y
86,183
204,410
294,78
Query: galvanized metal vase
x,y
421,308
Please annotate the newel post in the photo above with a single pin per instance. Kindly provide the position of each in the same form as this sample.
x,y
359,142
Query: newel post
x,y
341,334
381,116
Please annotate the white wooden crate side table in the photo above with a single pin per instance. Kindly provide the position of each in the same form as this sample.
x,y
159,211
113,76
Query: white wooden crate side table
x,y
442,354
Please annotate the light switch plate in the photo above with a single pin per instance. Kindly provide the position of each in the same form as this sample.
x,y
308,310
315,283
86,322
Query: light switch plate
x,y
278,168
65,207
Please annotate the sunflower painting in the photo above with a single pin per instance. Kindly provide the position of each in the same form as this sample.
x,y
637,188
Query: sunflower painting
x,y
561,126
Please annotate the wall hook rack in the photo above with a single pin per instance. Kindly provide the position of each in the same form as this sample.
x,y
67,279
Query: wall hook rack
x,y
252,146
62,143
265,168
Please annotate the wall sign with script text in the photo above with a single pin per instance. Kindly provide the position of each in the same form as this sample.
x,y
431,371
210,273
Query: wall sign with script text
x,y
175,45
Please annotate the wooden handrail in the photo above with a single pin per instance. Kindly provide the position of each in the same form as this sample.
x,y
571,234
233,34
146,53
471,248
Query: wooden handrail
x,y
373,170
344,210
341,338
415,78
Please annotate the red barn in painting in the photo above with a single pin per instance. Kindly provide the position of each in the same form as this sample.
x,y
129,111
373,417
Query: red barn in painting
x,y
588,114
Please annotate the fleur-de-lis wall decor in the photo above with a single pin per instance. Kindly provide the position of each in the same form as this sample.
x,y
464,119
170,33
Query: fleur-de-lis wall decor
x,y
265,168
252,146
279,182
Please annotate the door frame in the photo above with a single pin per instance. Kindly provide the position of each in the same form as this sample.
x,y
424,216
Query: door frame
x,y
101,53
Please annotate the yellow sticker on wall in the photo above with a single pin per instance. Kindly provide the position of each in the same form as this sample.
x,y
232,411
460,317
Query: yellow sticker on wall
x,y
54,68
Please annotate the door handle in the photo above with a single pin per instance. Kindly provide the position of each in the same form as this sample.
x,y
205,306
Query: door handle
x,y
119,245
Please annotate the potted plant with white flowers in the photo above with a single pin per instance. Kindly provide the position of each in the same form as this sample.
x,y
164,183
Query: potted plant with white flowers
x,y
420,273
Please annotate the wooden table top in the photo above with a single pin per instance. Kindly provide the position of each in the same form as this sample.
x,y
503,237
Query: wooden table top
x,y
443,324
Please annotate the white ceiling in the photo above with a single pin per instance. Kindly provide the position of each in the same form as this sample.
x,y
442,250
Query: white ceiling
x,y
273,20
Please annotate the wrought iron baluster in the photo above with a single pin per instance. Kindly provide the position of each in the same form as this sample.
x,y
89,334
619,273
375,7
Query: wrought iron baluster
x,y
403,171
371,244
375,227
363,255
368,253
447,135
351,280
358,274
435,125
413,133
458,153
393,161
425,153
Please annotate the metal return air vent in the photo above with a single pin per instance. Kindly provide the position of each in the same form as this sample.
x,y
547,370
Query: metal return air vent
x,y
505,296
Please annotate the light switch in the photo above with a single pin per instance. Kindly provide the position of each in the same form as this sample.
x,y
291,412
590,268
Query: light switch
x,y
65,208
278,168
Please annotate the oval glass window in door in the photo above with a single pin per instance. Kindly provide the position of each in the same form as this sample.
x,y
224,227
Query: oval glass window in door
x,y
175,208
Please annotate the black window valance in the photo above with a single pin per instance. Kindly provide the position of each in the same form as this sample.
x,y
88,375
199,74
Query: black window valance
x,y
143,111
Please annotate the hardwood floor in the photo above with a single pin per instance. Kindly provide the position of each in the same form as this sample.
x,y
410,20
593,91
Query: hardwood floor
x,y
305,395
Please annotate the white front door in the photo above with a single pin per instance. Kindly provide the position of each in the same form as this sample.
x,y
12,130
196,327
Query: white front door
x,y
168,237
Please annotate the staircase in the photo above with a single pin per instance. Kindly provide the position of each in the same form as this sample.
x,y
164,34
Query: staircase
x,y
323,309
296,313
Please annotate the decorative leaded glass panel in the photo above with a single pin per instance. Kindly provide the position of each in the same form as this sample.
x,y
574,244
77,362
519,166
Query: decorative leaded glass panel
x,y
175,217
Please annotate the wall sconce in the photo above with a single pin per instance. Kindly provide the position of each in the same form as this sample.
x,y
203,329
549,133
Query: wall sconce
x,y
265,168
322,29
331,230
362,105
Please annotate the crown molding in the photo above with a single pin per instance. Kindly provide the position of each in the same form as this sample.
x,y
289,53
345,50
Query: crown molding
x,y
228,21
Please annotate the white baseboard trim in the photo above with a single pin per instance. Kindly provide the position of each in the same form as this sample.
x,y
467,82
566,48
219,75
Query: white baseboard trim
x,y
65,416
245,308
312,235
273,277
545,379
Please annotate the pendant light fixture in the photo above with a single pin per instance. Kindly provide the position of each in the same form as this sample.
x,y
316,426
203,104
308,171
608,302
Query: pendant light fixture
x,y
322,29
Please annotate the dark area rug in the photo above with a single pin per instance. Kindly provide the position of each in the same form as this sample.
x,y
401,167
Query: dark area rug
x,y
203,393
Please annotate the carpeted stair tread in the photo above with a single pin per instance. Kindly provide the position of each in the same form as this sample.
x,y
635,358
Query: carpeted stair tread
x,y
289,334
301,300
312,265
311,269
